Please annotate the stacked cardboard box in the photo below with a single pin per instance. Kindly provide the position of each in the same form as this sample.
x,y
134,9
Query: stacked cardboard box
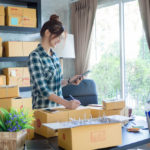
x,y
17,76
2,80
21,17
111,105
29,18
2,16
9,91
9,98
107,109
100,112
14,49
1,49
57,115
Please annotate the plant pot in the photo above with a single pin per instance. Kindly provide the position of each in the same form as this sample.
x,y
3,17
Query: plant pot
x,y
12,140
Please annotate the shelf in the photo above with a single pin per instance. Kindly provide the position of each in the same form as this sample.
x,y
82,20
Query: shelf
x,y
18,30
13,59
29,4
24,89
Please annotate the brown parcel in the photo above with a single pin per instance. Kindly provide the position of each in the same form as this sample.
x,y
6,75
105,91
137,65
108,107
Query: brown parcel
x,y
17,76
2,80
2,16
14,11
17,103
16,21
100,112
14,49
60,115
109,105
1,51
9,91
90,137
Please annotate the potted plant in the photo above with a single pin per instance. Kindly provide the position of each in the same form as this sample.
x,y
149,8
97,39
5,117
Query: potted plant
x,y
13,125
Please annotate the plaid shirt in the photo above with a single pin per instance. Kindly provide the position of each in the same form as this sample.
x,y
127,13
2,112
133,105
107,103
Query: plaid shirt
x,y
45,77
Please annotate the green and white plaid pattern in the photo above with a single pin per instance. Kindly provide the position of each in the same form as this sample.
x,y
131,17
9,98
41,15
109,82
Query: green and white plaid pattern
x,y
45,77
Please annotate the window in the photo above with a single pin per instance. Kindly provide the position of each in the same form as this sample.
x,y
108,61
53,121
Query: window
x,y
113,21
137,59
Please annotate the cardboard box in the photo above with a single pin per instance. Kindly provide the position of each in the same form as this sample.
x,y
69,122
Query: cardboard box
x,y
14,21
2,80
17,76
44,117
100,112
9,91
1,51
30,134
2,11
2,16
16,103
60,115
14,11
29,12
28,47
12,49
29,22
2,20
90,137
118,104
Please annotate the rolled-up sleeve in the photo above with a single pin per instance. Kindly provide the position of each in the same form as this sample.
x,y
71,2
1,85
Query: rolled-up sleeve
x,y
37,75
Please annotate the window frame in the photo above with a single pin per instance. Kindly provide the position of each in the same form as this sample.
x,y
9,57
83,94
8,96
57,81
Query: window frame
x,y
107,3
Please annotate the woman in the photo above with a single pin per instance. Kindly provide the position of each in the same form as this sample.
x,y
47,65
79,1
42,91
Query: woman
x,y
45,69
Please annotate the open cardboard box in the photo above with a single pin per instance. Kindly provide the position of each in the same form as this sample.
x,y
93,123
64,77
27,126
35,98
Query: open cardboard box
x,y
58,114
88,134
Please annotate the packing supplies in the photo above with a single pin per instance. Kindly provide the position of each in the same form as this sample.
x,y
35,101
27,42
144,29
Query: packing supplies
x,y
2,16
17,76
100,112
113,104
88,134
14,48
9,91
17,103
58,114
21,17
2,80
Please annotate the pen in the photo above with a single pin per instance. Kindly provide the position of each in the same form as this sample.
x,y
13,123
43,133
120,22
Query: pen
x,y
71,97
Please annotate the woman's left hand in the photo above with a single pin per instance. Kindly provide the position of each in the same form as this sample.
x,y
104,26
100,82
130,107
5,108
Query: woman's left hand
x,y
76,79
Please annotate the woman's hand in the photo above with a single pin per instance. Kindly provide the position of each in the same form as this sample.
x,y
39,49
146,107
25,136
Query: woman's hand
x,y
73,104
76,79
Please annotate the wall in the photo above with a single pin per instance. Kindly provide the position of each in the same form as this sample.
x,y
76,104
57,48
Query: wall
x,y
48,7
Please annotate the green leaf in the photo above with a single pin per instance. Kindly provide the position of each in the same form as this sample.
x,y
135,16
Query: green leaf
x,y
5,113
2,125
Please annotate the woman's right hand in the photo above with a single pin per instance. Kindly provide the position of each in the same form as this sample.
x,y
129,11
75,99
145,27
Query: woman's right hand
x,y
73,104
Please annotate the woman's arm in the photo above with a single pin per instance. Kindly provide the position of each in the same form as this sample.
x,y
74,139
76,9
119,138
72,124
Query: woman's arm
x,y
73,104
75,80
64,82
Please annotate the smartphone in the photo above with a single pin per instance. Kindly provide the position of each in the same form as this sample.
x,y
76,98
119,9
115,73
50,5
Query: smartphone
x,y
83,74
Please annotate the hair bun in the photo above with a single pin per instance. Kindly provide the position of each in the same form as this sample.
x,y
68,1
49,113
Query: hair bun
x,y
54,18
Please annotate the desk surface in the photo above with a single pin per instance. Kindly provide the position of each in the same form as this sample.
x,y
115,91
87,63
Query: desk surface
x,y
129,139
